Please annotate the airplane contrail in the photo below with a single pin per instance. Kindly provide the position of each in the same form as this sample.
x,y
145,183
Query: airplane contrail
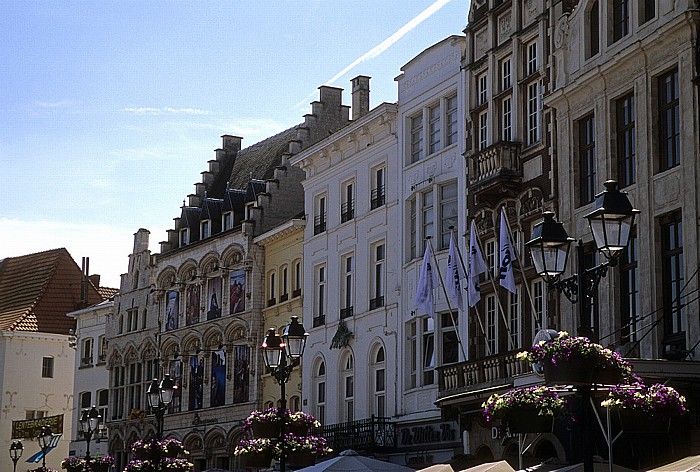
x,y
384,45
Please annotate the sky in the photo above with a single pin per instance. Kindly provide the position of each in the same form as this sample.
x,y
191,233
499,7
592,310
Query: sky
x,y
110,109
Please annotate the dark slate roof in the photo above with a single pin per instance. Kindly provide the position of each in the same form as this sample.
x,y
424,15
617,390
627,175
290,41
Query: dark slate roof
x,y
37,290
259,160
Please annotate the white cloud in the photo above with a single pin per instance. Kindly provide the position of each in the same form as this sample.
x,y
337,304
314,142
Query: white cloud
x,y
107,246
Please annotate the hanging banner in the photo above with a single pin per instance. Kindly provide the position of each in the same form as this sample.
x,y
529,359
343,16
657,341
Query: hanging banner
x,y
22,429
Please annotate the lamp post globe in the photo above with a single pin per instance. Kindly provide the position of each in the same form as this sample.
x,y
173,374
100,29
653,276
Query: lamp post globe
x,y
16,450
549,247
272,348
88,423
45,437
294,338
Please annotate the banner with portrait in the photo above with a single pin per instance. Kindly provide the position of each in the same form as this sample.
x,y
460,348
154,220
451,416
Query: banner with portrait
x,y
172,310
237,291
192,305
241,373
218,378
214,299
196,383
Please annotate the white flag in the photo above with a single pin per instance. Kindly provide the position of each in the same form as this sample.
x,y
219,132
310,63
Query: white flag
x,y
505,252
424,290
477,266
456,274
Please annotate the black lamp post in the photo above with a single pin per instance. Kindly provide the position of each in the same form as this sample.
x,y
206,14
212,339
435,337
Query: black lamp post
x,y
281,355
16,449
611,225
45,437
88,423
160,394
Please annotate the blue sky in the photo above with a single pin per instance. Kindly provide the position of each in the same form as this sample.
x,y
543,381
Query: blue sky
x,y
110,110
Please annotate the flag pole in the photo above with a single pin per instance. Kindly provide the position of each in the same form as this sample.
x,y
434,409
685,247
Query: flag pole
x,y
447,299
478,315
538,323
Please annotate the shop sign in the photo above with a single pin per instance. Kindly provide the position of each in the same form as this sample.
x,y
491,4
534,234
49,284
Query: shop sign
x,y
427,434
31,428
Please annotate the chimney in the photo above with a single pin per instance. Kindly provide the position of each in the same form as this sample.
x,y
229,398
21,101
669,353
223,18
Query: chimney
x,y
95,279
360,96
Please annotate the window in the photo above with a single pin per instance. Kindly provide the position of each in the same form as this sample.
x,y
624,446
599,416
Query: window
x,y
491,325
506,121
514,319
133,386
102,346
132,320
592,30
669,121
539,303
348,388
347,286
347,208
531,58
284,284
589,308
428,356
320,305
533,113
205,229
271,288
629,291
86,352
620,18
506,80
450,341
451,120
102,404
481,88
490,255
448,212
673,277
47,367
297,279
320,215
227,220
427,214
586,160
379,384
483,130
144,318
434,129
184,237
34,414
417,138
626,141
118,376
412,345
85,399
377,295
413,229
647,10
321,393
378,189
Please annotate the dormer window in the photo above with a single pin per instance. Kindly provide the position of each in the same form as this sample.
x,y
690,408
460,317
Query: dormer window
x,y
227,220
205,229
184,237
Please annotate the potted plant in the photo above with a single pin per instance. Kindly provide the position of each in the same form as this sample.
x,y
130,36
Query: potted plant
x,y
300,423
257,452
99,464
525,409
151,455
611,368
263,424
73,464
645,409
302,451
172,448
170,464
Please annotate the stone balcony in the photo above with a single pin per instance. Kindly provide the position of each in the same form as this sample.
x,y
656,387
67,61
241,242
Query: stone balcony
x,y
491,371
495,169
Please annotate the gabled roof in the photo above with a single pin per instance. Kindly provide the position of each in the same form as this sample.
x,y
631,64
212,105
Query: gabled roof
x,y
37,290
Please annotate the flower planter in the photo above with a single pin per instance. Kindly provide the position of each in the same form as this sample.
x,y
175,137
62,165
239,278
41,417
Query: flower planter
x,y
301,458
569,372
606,376
528,421
637,422
257,459
99,467
266,430
297,429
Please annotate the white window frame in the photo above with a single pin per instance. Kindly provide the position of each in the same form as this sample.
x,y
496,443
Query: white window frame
x,y
87,348
447,220
507,118
434,129
321,295
482,88
533,113
320,213
539,303
378,275
483,123
514,318
347,387
184,237
347,209
451,120
506,74
416,128
271,288
347,284
204,229
227,220
320,392
378,197
532,58
47,367
491,326
378,382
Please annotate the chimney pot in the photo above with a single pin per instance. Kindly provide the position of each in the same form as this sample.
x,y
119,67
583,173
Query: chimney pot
x,y
360,96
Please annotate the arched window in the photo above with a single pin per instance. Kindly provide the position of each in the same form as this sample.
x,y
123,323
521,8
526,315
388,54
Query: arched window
x,y
592,30
378,383
347,387
320,392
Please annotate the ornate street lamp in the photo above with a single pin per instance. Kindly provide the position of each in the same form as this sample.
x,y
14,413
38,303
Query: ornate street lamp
x,y
45,438
281,355
159,395
88,423
611,225
16,449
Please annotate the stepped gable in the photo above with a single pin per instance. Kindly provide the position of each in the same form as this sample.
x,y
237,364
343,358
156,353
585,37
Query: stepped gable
x,y
37,290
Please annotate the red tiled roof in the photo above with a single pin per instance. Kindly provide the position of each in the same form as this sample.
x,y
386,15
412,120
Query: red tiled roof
x,y
107,292
37,290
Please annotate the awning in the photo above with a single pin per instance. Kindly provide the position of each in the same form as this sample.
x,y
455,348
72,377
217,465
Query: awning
x,y
688,464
